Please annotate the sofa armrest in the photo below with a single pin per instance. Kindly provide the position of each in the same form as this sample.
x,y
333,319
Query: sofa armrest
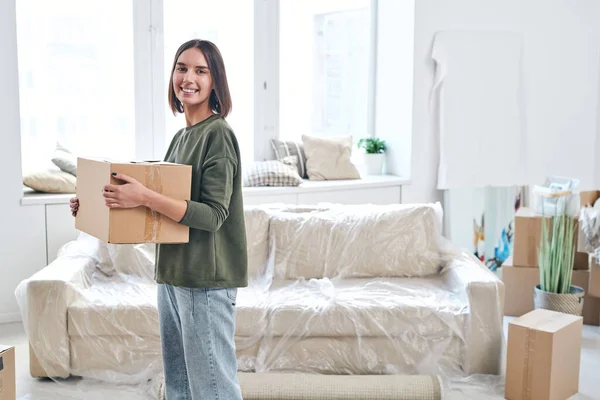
x,y
44,299
484,293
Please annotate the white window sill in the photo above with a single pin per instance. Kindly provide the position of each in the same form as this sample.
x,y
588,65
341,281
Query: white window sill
x,y
371,181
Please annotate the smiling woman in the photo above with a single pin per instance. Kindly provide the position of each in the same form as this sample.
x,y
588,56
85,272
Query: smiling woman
x,y
196,77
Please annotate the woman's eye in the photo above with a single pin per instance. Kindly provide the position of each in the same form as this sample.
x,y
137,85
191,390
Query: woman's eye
x,y
200,71
181,69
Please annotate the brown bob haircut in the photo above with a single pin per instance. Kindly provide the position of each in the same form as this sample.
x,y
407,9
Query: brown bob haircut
x,y
220,99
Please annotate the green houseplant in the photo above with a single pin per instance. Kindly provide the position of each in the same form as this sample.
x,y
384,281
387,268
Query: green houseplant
x,y
373,154
556,255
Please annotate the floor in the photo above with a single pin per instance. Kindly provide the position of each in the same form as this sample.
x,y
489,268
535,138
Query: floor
x,y
478,387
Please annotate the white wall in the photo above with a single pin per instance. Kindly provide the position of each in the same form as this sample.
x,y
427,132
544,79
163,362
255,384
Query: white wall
x,y
561,77
22,238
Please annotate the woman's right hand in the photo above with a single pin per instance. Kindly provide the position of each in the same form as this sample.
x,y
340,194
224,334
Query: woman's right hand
x,y
74,206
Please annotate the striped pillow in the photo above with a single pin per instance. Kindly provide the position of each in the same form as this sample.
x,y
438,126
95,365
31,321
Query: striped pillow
x,y
284,149
273,173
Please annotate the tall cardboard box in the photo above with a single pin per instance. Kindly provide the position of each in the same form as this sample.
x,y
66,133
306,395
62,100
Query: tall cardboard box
x,y
132,225
543,355
520,281
528,231
8,385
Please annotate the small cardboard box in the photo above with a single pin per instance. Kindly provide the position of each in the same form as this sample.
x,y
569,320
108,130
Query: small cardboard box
x,y
519,283
528,231
543,355
132,225
8,385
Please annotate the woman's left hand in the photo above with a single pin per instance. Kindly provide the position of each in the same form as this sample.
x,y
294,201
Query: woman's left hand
x,y
131,194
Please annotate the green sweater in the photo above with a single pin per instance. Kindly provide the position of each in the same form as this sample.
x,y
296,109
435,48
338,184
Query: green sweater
x,y
216,254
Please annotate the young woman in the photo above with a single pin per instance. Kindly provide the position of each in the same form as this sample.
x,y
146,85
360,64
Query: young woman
x,y
198,281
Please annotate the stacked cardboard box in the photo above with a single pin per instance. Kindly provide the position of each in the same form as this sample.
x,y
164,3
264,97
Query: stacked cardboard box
x,y
521,273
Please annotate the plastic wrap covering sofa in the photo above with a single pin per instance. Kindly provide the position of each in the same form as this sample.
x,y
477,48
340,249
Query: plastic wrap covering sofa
x,y
333,290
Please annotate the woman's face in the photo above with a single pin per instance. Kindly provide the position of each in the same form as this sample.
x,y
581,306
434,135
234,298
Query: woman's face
x,y
192,81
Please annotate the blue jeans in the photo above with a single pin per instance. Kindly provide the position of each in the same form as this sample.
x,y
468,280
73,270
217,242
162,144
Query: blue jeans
x,y
197,329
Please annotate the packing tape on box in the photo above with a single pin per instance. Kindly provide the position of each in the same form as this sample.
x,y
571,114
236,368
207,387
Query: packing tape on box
x,y
528,368
153,181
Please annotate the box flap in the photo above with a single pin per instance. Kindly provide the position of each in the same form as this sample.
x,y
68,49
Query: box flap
x,y
4,348
545,320
526,212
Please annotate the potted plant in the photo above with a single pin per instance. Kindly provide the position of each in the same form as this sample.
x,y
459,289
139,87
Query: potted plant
x,y
373,155
556,256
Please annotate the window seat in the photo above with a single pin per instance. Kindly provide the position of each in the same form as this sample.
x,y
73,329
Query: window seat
x,y
30,197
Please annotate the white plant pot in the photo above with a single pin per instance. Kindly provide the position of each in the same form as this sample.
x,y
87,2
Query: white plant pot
x,y
373,163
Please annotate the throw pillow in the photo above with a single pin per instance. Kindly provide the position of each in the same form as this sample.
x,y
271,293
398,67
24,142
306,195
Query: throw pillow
x,y
65,160
329,158
273,173
286,149
50,181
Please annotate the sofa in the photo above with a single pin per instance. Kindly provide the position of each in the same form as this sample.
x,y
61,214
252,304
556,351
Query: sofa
x,y
333,289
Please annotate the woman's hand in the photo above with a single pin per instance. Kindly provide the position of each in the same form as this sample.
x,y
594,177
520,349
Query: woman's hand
x,y
74,202
131,194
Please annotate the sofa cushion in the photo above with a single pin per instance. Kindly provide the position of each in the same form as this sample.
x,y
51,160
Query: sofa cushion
x,y
410,355
357,241
134,259
363,307
115,308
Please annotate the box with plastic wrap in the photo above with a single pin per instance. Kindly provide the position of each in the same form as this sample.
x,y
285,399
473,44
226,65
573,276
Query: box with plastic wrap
x,y
333,289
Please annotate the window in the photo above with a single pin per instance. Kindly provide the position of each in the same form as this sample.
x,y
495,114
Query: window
x,y
230,25
92,75
75,78
324,68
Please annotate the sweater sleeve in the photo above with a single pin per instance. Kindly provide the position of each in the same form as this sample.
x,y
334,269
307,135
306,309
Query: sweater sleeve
x,y
217,175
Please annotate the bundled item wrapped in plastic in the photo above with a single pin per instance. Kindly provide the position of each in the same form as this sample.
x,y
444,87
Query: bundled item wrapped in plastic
x,y
557,196
589,228
333,290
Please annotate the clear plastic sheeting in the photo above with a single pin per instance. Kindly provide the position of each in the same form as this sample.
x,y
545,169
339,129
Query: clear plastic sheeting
x,y
332,290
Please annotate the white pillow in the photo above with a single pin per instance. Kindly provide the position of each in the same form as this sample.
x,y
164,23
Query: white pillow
x,y
50,181
358,242
329,158
65,160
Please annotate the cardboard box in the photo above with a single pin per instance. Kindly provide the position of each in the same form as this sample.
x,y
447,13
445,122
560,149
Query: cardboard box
x,y
588,198
528,231
594,284
543,355
132,225
8,384
519,283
